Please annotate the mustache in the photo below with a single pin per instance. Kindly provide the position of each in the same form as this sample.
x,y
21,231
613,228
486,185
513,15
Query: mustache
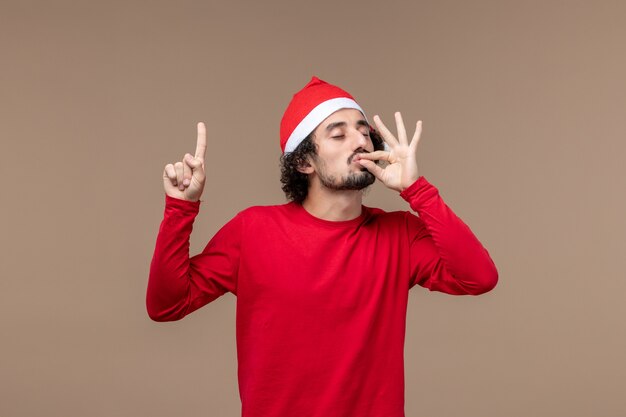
x,y
358,151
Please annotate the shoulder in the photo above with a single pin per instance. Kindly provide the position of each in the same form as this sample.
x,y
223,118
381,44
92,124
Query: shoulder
x,y
390,218
255,219
378,214
264,211
256,214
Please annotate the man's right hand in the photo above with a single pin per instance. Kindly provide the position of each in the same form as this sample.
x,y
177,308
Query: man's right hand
x,y
185,179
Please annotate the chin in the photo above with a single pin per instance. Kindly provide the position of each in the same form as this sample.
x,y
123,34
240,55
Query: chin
x,y
359,181
355,180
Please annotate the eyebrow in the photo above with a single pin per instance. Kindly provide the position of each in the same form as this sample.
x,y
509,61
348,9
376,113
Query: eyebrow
x,y
360,122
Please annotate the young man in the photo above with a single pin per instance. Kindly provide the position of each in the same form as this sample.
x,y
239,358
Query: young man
x,y
321,282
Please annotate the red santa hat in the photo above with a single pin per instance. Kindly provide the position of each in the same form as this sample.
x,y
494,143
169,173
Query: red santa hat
x,y
308,108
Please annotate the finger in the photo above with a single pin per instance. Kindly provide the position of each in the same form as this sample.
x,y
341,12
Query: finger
x,y
170,173
416,136
386,134
187,171
372,167
194,163
401,130
198,170
374,156
201,143
178,167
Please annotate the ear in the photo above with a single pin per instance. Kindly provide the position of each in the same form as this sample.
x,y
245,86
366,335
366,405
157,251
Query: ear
x,y
306,167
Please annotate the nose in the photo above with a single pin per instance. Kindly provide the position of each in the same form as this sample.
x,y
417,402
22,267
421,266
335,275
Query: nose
x,y
360,140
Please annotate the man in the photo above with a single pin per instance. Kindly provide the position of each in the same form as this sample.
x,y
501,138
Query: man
x,y
321,282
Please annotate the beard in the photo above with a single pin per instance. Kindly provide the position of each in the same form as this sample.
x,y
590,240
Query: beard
x,y
353,181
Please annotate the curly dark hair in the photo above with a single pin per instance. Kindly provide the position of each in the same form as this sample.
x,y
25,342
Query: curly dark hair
x,y
295,184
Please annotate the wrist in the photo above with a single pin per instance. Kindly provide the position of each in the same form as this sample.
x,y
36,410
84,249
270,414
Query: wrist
x,y
408,183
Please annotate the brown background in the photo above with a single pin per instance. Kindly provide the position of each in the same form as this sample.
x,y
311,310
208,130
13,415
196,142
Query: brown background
x,y
523,106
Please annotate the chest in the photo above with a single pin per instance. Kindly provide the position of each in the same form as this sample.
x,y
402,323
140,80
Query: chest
x,y
306,266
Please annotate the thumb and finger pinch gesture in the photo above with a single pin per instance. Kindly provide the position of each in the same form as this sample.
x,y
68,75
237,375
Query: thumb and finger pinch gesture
x,y
185,179
401,169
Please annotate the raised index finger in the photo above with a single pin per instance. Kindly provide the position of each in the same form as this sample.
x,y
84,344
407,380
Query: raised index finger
x,y
201,144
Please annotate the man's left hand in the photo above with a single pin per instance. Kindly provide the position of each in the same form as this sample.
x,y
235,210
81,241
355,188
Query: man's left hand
x,y
401,170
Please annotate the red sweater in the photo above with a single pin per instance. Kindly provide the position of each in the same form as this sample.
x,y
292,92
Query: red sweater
x,y
321,305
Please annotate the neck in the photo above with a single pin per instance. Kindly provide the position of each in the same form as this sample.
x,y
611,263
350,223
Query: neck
x,y
333,205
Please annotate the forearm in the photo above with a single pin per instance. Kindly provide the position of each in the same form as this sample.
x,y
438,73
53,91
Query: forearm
x,y
467,263
169,282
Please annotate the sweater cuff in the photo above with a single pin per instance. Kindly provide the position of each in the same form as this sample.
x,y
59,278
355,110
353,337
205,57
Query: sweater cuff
x,y
187,207
419,193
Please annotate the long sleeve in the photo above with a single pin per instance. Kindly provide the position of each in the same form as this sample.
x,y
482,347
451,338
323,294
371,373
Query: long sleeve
x,y
177,284
445,255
